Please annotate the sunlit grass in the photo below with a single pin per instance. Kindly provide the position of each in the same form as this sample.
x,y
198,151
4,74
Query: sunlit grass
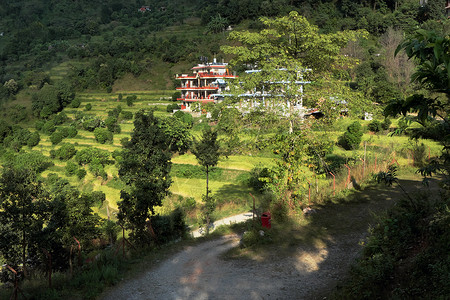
x,y
239,162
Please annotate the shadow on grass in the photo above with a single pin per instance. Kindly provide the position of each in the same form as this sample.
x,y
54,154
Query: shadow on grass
x,y
233,193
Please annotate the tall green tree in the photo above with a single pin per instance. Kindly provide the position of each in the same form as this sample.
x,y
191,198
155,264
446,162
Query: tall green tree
x,y
145,169
207,152
22,199
287,52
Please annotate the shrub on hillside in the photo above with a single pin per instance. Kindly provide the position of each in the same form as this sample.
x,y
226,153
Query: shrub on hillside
x,y
176,95
72,131
171,227
71,168
39,125
90,124
60,118
124,141
131,99
374,126
352,137
64,131
88,107
115,112
49,127
127,115
34,161
386,124
98,170
103,135
98,197
171,107
75,103
88,155
81,173
258,179
186,118
56,137
33,139
111,124
65,152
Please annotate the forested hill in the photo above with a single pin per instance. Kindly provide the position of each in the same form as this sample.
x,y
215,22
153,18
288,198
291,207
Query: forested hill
x,y
111,38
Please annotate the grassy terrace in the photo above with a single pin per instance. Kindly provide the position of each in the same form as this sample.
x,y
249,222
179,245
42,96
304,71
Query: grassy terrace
x,y
229,182
228,185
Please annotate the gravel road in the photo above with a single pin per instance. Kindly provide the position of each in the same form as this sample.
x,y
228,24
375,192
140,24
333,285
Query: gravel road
x,y
198,272
309,272
227,221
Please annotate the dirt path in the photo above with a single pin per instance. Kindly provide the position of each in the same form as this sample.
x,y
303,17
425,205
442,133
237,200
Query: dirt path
x,y
309,272
226,221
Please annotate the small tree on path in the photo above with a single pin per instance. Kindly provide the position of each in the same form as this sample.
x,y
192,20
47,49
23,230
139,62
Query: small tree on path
x,y
207,152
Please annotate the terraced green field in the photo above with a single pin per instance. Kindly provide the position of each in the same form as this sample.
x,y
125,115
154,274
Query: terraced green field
x,y
228,184
229,187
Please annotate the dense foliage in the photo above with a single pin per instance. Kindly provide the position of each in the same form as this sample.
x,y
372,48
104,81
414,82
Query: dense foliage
x,y
145,168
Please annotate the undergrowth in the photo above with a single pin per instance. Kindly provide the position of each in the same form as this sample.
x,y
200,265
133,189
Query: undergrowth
x,y
407,255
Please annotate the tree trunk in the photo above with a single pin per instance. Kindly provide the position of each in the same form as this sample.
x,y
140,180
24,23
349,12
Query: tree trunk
x,y
207,181
24,246
207,200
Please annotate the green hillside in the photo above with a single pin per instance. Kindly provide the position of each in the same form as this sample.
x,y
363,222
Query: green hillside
x,y
97,170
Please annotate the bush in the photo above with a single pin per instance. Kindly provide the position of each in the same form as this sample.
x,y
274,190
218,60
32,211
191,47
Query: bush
x,y
88,107
186,204
91,123
103,135
65,152
127,115
115,112
419,153
81,173
171,227
72,131
75,103
176,95
56,137
130,100
64,131
124,141
171,107
60,118
71,168
117,155
186,118
258,179
352,137
33,139
110,230
39,125
386,124
411,243
98,197
375,126
49,127
111,124
98,170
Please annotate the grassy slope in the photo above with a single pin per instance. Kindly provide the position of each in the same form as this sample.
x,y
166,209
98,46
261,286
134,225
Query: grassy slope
x,y
228,190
